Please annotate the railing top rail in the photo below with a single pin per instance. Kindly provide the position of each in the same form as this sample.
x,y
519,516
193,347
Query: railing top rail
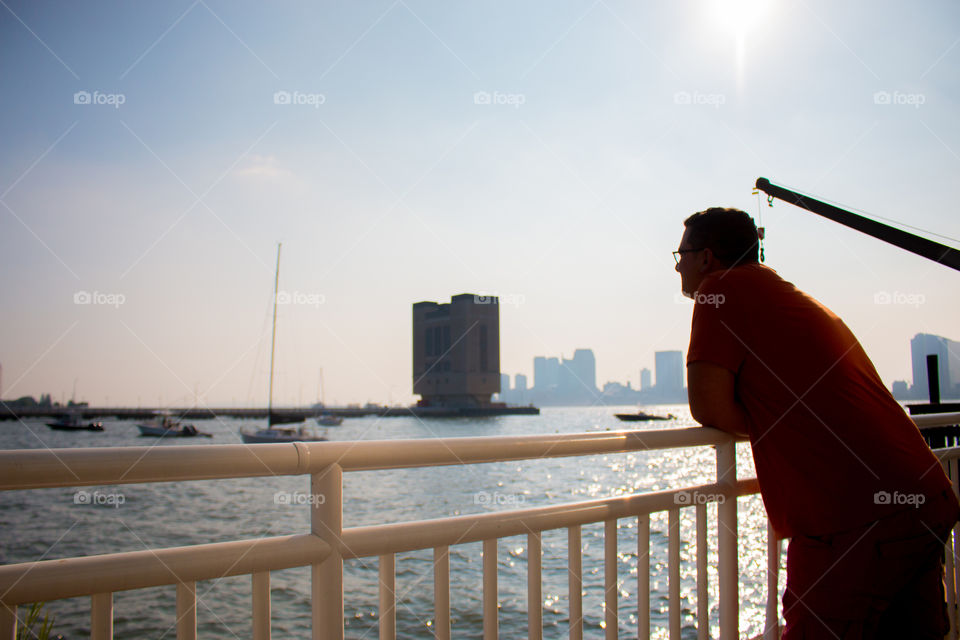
x,y
936,419
43,468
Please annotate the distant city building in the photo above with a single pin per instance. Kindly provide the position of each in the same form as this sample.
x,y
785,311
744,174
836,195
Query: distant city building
x,y
645,382
546,373
504,382
670,370
456,351
578,376
520,382
948,364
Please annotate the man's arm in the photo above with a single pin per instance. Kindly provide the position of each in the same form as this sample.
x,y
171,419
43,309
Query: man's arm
x,y
712,399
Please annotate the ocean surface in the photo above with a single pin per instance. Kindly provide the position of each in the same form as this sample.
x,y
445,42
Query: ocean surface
x,y
59,523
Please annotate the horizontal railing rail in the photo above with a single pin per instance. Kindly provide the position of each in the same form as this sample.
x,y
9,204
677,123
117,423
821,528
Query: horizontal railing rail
x,y
329,543
44,468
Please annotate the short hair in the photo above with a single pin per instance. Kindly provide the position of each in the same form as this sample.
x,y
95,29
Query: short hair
x,y
730,233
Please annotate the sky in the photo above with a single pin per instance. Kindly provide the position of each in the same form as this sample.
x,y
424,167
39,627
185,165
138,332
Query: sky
x,y
154,155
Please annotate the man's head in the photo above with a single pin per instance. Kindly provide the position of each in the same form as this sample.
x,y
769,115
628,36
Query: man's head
x,y
715,239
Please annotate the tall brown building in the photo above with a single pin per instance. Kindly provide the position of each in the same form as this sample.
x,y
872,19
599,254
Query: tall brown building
x,y
456,351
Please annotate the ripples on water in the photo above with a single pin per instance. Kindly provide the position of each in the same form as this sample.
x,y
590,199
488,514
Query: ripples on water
x,y
48,524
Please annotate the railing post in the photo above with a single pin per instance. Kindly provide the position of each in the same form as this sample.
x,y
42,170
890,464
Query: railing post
x,y
388,596
772,629
673,581
610,600
261,605
575,571
326,522
187,611
727,541
643,577
490,592
101,616
8,621
534,587
441,593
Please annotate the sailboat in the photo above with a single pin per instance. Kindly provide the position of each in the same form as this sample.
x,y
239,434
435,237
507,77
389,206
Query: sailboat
x,y
275,433
325,418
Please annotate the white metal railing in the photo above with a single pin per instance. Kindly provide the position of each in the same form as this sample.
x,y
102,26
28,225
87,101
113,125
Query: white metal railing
x,y
328,544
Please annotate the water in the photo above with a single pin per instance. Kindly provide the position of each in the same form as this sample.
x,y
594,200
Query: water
x,y
50,523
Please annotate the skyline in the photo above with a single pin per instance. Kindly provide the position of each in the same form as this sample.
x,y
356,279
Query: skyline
x,y
404,151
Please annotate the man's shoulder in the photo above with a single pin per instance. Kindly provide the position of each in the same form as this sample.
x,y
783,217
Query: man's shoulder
x,y
751,275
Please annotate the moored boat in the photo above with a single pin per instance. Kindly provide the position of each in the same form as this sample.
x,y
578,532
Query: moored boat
x,y
166,426
643,416
74,422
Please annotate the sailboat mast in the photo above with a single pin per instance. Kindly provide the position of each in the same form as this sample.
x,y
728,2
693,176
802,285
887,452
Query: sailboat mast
x,y
273,338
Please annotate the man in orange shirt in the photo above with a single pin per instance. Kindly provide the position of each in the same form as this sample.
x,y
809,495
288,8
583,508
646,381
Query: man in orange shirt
x,y
843,471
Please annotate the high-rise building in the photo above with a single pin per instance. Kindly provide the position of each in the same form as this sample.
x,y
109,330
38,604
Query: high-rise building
x,y
546,373
645,382
520,382
504,382
456,351
578,376
669,369
948,363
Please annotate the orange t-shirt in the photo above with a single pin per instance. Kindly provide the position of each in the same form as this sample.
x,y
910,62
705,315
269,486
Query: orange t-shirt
x,y
832,448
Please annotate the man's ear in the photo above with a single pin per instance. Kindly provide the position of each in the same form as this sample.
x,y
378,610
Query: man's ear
x,y
708,260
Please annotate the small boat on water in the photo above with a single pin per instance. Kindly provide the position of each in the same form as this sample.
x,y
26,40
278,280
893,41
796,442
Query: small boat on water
x,y
640,416
327,419
280,434
273,433
166,426
74,422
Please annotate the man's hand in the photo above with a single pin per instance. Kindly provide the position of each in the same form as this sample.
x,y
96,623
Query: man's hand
x,y
713,401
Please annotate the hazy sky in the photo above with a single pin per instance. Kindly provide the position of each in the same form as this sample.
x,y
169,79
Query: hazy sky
x,y
154,154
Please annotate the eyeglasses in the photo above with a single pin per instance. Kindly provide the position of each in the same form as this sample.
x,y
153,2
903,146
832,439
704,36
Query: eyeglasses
x,y
680,252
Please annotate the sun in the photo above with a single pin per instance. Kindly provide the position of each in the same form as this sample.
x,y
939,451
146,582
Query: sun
x,y
739,17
